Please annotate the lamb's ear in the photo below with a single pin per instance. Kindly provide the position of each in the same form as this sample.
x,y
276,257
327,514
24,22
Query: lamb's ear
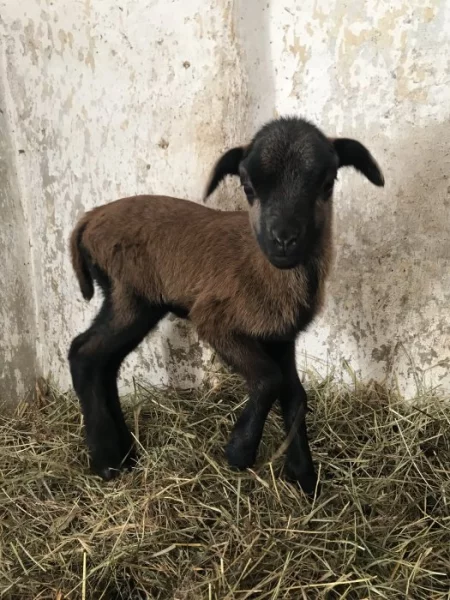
x,y
228,164
352,153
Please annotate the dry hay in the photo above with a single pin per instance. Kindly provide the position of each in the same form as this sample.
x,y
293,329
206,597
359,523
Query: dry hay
x,y
184,526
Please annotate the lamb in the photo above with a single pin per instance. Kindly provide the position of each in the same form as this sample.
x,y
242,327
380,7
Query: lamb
x,y
250,283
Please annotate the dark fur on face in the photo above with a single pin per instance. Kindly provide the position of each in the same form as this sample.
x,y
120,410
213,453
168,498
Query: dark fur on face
x,y
288,173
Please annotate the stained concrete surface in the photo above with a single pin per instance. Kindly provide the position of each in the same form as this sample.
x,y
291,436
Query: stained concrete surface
x,y
109,100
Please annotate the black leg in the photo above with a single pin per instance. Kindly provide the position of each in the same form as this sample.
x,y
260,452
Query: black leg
x,y
299,466
95,358
248,357
127,449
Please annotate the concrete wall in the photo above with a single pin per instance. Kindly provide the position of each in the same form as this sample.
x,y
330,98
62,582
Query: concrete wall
x,y
17,310
109,99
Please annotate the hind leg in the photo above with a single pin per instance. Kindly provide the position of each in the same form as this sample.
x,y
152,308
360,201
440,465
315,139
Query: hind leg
x,y
95,357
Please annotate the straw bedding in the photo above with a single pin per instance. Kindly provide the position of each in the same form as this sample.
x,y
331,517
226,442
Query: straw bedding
x,y
184,526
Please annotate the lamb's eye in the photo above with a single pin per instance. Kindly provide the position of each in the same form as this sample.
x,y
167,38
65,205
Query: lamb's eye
x,y
328,188
249,191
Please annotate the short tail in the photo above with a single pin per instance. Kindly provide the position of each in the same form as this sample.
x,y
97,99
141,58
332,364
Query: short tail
x,y
79,262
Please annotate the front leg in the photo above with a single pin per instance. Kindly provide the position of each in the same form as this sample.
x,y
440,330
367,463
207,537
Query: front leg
x,y
242,447
299,466
248,357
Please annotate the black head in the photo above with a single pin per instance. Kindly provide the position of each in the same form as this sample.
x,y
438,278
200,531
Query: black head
x,y
288,173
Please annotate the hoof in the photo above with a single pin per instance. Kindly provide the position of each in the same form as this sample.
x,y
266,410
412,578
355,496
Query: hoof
x,y
130,460
107,473
306,480
107,463
239,457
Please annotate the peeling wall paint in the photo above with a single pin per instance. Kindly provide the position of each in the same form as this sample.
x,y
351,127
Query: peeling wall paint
x,y
380,73
17,311
141,97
